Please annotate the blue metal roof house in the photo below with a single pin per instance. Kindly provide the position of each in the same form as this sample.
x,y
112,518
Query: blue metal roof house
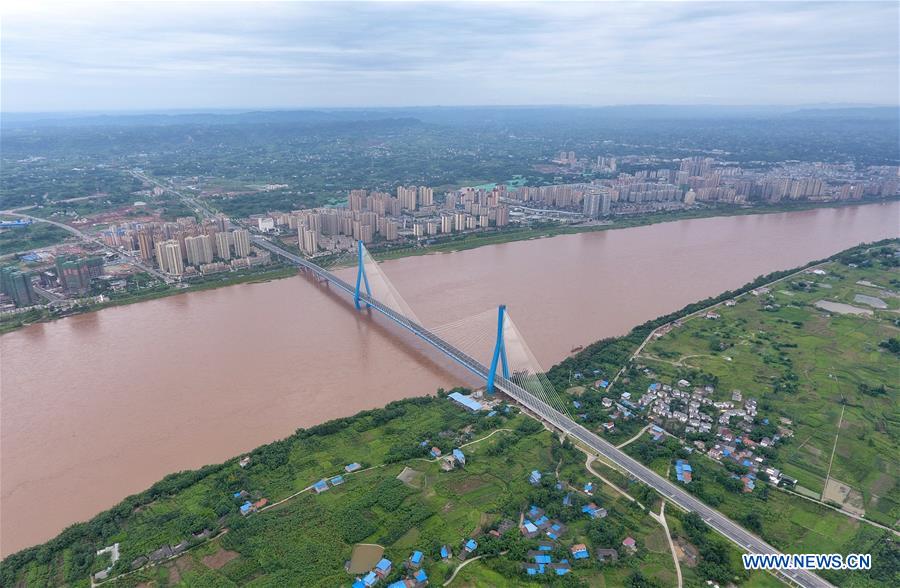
x,y
383,567
352,467
320,486
460,456
471,545
580,551
337,480
415,559
535,477
445,552
683,471
465,401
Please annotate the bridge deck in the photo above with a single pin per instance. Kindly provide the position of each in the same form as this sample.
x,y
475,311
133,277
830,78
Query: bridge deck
x,y
669,491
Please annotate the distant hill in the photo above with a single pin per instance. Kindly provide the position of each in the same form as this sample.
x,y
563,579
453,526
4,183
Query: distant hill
x,y
448,115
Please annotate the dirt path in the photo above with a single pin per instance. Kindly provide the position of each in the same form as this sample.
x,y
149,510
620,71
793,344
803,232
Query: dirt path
x,y
834,447
459,567
588,464
485,437
695,314
635,438
661,519
840,510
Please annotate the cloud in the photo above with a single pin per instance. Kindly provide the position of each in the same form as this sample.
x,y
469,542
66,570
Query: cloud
x,y
93,56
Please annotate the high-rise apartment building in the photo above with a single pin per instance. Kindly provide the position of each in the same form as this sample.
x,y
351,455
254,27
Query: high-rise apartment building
x,y
75,274
199,249
363,232
241,242
407,197
426,196
391,230
168,256
502,215
145,244
592,204
447,223
17,285
223,246
307,240
357,200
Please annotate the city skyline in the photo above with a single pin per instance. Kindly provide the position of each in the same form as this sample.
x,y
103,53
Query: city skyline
x,y
141,56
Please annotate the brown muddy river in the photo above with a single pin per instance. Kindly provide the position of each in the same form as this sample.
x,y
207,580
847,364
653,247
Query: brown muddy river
x,y
99,406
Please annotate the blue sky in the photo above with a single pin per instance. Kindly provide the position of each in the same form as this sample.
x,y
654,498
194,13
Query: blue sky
x,y
134,56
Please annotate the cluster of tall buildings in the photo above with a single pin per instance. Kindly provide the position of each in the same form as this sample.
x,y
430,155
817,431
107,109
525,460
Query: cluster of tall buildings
x,y
704,179
563,196
185,245
411,212
17,285
75,274
566,158
605,164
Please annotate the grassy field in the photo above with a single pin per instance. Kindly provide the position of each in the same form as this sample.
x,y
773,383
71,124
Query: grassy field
x,y
809,365
306,540
33,236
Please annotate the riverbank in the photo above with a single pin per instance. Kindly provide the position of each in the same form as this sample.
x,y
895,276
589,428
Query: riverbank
x,y
47,313
396,496
496,237
440,245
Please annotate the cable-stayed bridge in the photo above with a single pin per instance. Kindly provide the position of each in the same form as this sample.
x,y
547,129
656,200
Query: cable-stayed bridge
x,y
528,391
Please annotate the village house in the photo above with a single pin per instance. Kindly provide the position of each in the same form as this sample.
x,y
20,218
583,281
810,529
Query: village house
x,y
605,554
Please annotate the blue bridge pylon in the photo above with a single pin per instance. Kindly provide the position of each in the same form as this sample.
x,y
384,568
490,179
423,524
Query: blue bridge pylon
x,y
361,276
499,352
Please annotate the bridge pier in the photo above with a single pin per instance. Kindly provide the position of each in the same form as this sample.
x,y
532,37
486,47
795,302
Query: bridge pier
x,y
499,352
361,276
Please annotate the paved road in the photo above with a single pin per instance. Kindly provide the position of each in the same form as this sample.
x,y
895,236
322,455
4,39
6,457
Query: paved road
x,y
669,491
199,207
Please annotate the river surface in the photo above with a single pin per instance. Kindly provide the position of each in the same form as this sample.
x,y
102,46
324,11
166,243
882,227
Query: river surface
x,y
99,406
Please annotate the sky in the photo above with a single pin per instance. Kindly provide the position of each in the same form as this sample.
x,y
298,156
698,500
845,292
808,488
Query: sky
x,y
83,56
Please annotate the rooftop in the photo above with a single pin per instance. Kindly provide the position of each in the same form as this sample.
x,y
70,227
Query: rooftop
x,y
465,400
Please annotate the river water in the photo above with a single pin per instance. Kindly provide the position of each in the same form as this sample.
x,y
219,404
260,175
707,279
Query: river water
x,y
99,406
